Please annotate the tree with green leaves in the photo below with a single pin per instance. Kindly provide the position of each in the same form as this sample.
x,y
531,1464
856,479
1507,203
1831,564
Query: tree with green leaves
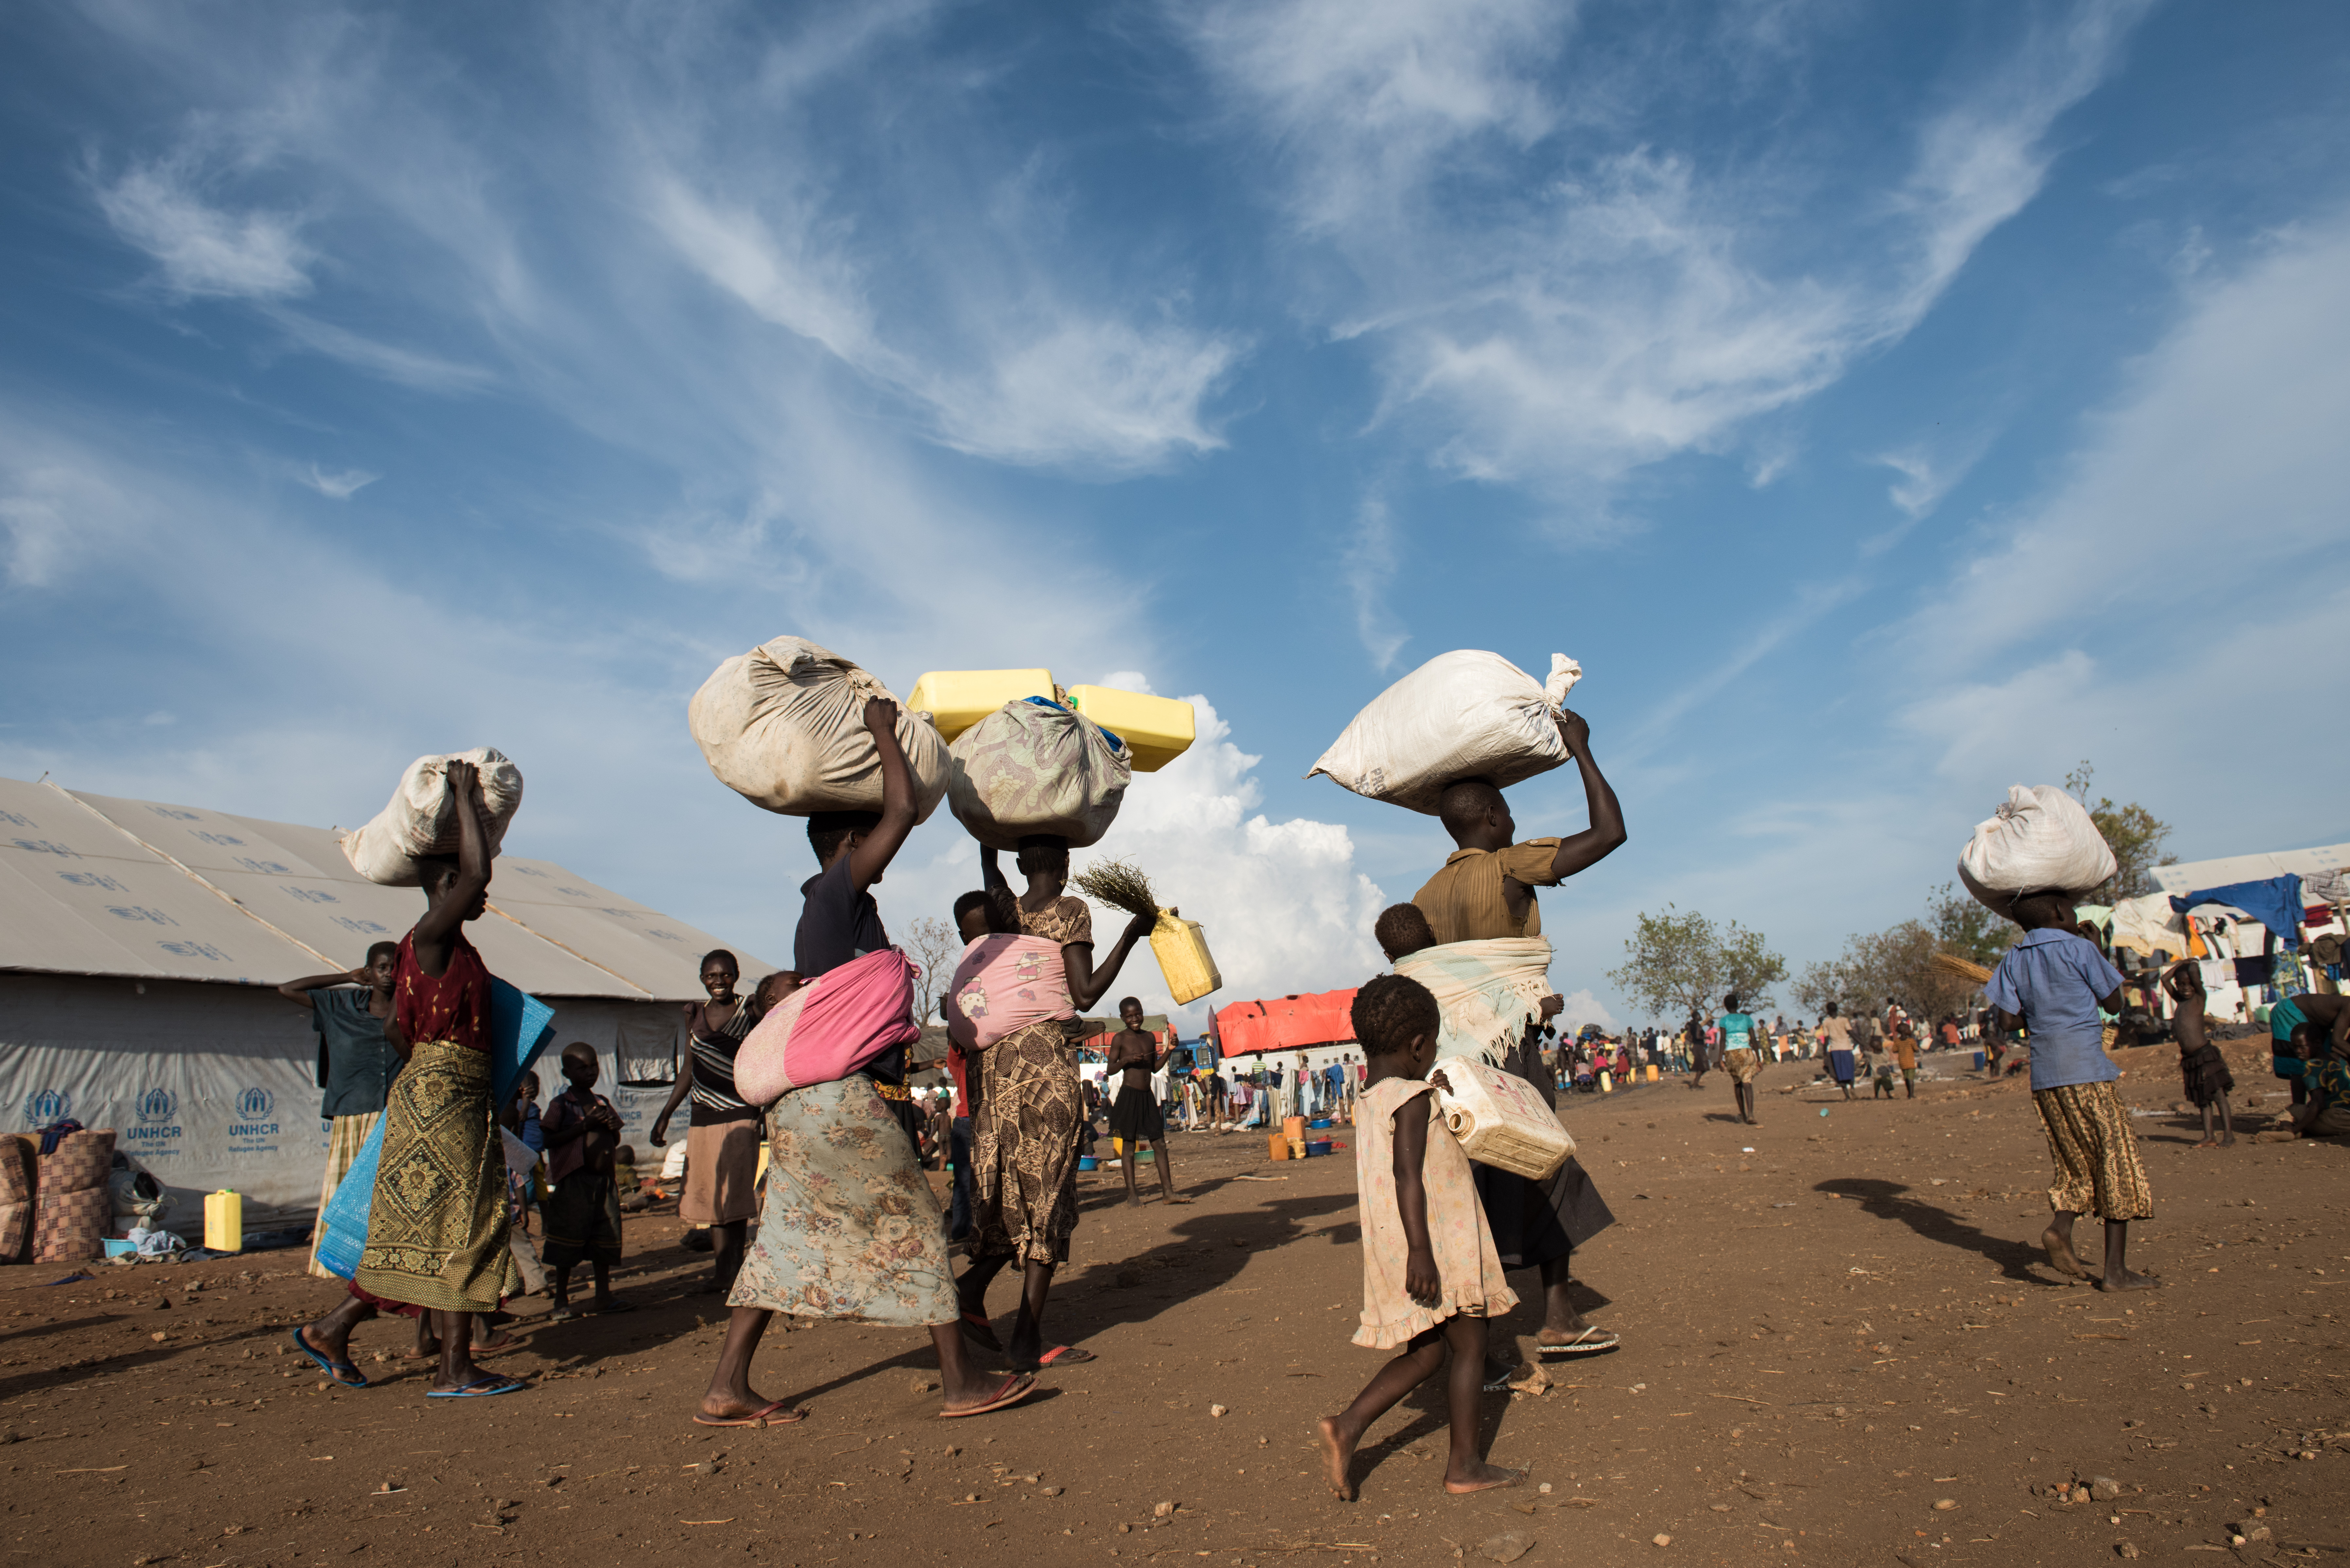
x,y
1677,963
2133,833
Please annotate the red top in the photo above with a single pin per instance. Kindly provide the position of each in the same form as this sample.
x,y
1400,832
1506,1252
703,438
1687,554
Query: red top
x,y
455,1007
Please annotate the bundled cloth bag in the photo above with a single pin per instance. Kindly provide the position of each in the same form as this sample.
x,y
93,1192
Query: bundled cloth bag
x,y
1004,984
828,1028
783,727
423,817
1034,767
1461,715
15,1196
72,1201
1487,992
2041,840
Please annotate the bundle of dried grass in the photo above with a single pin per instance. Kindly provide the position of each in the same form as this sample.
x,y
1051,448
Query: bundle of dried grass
x,y
1119,884
1965,969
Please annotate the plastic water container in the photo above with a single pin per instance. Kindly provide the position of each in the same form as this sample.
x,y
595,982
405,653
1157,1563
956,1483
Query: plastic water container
x,y
223,1221
1181,949
957,699
1157,730
1652,1072
1500,1120
1277,1146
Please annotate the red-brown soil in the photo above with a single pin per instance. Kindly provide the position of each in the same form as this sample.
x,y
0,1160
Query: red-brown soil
x,y
1823,1339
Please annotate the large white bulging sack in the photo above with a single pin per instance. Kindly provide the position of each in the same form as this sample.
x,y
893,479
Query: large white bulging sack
x,y
1461,715
423,817
1034,767
783,727
2040,839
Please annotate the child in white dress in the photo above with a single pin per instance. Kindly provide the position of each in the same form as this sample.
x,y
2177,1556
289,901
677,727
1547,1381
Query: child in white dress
x,y
1431,1276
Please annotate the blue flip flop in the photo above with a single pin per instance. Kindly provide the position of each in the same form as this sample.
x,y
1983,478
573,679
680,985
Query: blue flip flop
x,y
342,1372
481,1387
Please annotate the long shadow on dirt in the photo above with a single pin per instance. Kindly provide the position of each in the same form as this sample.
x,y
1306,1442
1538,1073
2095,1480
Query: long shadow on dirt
x,y
1890,1201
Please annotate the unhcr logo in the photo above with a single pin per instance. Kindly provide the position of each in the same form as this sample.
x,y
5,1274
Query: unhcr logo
x,y
156,1131
251,1107
43,1106
155,1106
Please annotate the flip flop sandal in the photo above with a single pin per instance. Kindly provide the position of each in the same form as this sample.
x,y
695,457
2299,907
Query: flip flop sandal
x,y
1059,1355
342,1372
615,1305
480,1388
981,1332
1500,1380
1015,1390
1590,1342
778,1414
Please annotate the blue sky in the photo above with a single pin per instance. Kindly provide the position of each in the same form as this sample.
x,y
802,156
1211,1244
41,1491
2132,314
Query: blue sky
x,y
1884,405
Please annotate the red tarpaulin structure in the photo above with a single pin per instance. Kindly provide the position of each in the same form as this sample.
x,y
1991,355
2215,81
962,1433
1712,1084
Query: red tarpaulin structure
x,y
1286,1023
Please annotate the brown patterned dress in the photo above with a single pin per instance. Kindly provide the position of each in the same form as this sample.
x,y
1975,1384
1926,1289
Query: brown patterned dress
x,y
1031,1106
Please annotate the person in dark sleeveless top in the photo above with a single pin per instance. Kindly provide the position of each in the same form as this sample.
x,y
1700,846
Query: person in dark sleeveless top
x,y
722,1143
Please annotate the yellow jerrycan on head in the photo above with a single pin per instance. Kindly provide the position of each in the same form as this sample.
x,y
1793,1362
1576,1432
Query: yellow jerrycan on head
x,y
1156,730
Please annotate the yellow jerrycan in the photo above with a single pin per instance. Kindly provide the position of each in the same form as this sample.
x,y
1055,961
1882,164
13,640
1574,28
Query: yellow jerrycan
x,y
1181,949
223,1221
957,699
1156,730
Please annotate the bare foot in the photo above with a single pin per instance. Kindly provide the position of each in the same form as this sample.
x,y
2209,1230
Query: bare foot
x,y
2228,1142
2207,1143
1479,1476
2129,1282
1172,1198
1338,1456
2059,1247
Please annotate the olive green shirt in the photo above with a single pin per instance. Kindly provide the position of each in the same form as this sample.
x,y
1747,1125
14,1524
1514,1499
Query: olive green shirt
x,y
1467,900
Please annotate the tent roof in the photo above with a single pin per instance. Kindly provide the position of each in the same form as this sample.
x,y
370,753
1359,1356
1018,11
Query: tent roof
x,y
96,885
2192,874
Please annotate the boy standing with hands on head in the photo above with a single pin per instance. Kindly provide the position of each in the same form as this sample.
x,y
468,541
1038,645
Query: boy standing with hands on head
x,y
2052,983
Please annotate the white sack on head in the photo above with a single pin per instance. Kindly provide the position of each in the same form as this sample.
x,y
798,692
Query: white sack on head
x,y
1034,767
2040,839
783,727
1465,714
423,817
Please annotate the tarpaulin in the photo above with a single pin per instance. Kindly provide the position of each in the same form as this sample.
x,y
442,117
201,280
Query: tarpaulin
x,y
2275,903
1286,1023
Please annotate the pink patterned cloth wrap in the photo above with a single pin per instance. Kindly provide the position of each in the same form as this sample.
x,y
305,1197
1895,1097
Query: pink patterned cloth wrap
x,y
1004,984
828,1028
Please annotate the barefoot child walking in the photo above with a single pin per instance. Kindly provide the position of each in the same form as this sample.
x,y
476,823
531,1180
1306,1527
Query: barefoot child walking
x,y
2052,983
1431,1276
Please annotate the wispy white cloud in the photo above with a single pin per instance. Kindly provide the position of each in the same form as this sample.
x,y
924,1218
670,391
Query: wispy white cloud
x,y
2221,461
1366,566
204,250
339,485
1559,293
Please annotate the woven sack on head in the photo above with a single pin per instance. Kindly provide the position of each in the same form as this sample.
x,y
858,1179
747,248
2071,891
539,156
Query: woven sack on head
x,y
1034,767
783,727
421,818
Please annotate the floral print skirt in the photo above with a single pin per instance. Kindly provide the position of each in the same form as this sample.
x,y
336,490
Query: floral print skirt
x,y
849,1226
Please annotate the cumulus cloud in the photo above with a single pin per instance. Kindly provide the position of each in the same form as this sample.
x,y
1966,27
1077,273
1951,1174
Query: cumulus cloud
x,y
205,250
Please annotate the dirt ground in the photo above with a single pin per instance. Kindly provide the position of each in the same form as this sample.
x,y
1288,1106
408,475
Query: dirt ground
x,y
1841,1344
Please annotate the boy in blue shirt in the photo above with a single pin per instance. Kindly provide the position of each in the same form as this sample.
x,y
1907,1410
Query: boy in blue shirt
x,y
2052,983
1742,1055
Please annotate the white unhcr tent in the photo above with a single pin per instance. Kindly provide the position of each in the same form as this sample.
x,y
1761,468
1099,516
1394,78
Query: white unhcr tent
x,y
141,945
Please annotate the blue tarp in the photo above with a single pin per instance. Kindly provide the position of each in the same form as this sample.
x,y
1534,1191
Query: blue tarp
x,y
2274,903
519,1029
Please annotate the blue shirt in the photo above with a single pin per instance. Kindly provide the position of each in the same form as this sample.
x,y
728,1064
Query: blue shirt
x,y
2054,979
1738,1032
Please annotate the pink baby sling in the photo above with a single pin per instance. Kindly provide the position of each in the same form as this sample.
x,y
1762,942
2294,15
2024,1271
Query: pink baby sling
x,y
1004,984
829,1028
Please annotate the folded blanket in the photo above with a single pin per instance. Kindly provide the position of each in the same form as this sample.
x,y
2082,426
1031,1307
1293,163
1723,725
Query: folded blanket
x,y
828,1028
1489,991
1004,984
